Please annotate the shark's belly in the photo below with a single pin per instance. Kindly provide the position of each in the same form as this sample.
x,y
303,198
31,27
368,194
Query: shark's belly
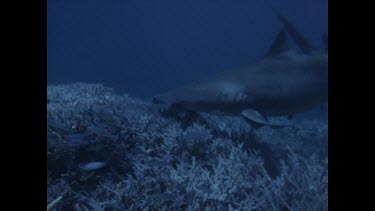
x,y
273,96
266,106
282,107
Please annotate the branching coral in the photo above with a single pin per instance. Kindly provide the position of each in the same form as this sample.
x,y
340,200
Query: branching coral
x,y
158,162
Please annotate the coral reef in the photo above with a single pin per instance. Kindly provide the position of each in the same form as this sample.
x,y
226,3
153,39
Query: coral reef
x,y
112,152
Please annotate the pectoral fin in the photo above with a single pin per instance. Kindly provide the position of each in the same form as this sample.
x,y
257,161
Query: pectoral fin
x,y
255,117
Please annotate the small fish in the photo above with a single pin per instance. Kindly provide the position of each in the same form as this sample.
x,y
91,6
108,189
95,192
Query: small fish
x,y
53,204
93,166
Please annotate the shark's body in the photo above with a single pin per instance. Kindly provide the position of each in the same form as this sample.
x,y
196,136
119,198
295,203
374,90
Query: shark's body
x,y
282,83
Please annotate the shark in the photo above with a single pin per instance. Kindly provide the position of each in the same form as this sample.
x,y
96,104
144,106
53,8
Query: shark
x,y
284,82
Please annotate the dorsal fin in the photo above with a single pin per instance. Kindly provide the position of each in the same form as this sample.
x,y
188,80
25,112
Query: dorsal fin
x,y
295,34
279,45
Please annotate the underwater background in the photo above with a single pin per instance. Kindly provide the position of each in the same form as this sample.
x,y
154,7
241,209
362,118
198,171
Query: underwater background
x,y
110,148
144,47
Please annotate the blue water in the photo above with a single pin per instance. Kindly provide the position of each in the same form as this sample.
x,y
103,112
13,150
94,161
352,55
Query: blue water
x,y
144,47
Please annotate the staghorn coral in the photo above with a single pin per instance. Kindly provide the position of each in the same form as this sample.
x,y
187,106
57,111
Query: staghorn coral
x,y
160,162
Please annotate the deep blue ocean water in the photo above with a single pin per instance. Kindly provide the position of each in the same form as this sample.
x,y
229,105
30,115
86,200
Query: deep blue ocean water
x,y
144,47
